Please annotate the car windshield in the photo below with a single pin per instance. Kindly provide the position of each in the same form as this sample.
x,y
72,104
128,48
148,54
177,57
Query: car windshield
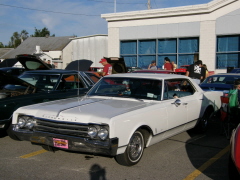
x,y
128,88
44,82
220,79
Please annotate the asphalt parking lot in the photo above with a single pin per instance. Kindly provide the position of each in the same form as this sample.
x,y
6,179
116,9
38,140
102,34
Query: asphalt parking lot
x,y
188,155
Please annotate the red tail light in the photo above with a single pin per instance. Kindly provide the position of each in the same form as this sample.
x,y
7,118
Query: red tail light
x,y
237,148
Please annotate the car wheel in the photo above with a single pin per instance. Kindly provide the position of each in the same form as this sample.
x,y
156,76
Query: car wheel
x,y
203,122
11,134
232,170
134,151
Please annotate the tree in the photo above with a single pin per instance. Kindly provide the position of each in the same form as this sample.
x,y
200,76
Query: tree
x,y
17,38
42,33
1,45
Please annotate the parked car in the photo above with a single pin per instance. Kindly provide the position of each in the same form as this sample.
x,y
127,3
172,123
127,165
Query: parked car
x,y
93,76
154,71
235,70
14,71
131,69
219,82
120,116
182,69
38,86
234,157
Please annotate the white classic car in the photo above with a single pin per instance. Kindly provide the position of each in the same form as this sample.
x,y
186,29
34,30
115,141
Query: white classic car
x,y
120,116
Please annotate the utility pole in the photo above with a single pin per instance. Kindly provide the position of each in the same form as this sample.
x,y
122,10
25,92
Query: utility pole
x,y
149,4
115,6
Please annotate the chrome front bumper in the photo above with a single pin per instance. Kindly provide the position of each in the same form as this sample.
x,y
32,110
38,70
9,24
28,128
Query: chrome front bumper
x,y
108,147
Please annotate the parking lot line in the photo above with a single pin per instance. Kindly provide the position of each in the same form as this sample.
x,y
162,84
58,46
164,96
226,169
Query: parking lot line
x,y
33,153
199,171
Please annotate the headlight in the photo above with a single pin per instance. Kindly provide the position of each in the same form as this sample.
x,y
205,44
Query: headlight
x,y
21,122
25,122
29,123
92,131
103,133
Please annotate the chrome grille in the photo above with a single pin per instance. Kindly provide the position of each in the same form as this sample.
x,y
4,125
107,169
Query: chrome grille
x,y
71,129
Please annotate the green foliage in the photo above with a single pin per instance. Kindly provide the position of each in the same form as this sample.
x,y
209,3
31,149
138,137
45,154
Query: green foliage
x,y
17,38
1,45
42,33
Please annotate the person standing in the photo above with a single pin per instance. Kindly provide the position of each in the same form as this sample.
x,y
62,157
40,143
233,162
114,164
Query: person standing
x,y
49,63
153,66
196,71
207,74
107,69
168,65
174,66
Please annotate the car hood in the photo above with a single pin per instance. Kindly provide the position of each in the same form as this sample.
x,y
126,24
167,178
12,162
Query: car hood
x,y
28,61
79,65
6,78
8,63
216,87
31,62
85,110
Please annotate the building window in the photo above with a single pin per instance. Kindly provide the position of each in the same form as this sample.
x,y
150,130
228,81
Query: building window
x,y
228,52
146,52
140,53
128,50
167,48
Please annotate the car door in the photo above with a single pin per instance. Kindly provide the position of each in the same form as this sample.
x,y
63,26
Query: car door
x,y
175,107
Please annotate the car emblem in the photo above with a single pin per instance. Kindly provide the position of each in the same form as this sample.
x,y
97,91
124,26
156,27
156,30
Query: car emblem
x,y
212,89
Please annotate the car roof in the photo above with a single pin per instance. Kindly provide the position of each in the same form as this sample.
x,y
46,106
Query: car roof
x,y
149,75
51,71
7,68
225,74
154,71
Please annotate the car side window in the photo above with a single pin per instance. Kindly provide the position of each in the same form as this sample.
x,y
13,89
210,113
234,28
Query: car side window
x,y
177,88
70,82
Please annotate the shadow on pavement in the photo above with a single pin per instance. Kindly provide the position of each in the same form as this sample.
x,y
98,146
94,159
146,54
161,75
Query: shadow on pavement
x,y
96,172
3,134
204,146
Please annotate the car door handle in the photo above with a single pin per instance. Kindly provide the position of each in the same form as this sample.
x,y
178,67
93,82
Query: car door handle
x,y
185,103
177,102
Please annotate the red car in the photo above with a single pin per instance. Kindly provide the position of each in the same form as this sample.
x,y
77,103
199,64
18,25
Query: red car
x,y
182,70
154,71
234,158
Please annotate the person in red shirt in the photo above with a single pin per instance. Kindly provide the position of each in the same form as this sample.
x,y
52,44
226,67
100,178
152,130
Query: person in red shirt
x,y
107,69
168,65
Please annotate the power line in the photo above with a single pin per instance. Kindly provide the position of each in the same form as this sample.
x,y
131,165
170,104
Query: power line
x,y
47,10
113,2
155,3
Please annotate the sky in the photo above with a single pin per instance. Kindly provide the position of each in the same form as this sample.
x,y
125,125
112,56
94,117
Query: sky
x,y
70,17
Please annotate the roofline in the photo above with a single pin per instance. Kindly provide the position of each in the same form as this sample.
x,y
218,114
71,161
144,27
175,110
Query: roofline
x,y
168,12
89,36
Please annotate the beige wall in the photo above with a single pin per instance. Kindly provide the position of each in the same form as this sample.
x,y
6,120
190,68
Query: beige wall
x,y
67,55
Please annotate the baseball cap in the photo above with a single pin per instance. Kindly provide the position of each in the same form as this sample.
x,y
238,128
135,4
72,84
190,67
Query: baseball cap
x,y
103,60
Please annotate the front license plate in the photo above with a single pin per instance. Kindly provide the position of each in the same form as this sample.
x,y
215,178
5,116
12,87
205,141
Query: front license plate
x,y
60,143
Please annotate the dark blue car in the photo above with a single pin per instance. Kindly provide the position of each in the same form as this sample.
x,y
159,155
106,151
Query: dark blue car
x,y
219,82
236,70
